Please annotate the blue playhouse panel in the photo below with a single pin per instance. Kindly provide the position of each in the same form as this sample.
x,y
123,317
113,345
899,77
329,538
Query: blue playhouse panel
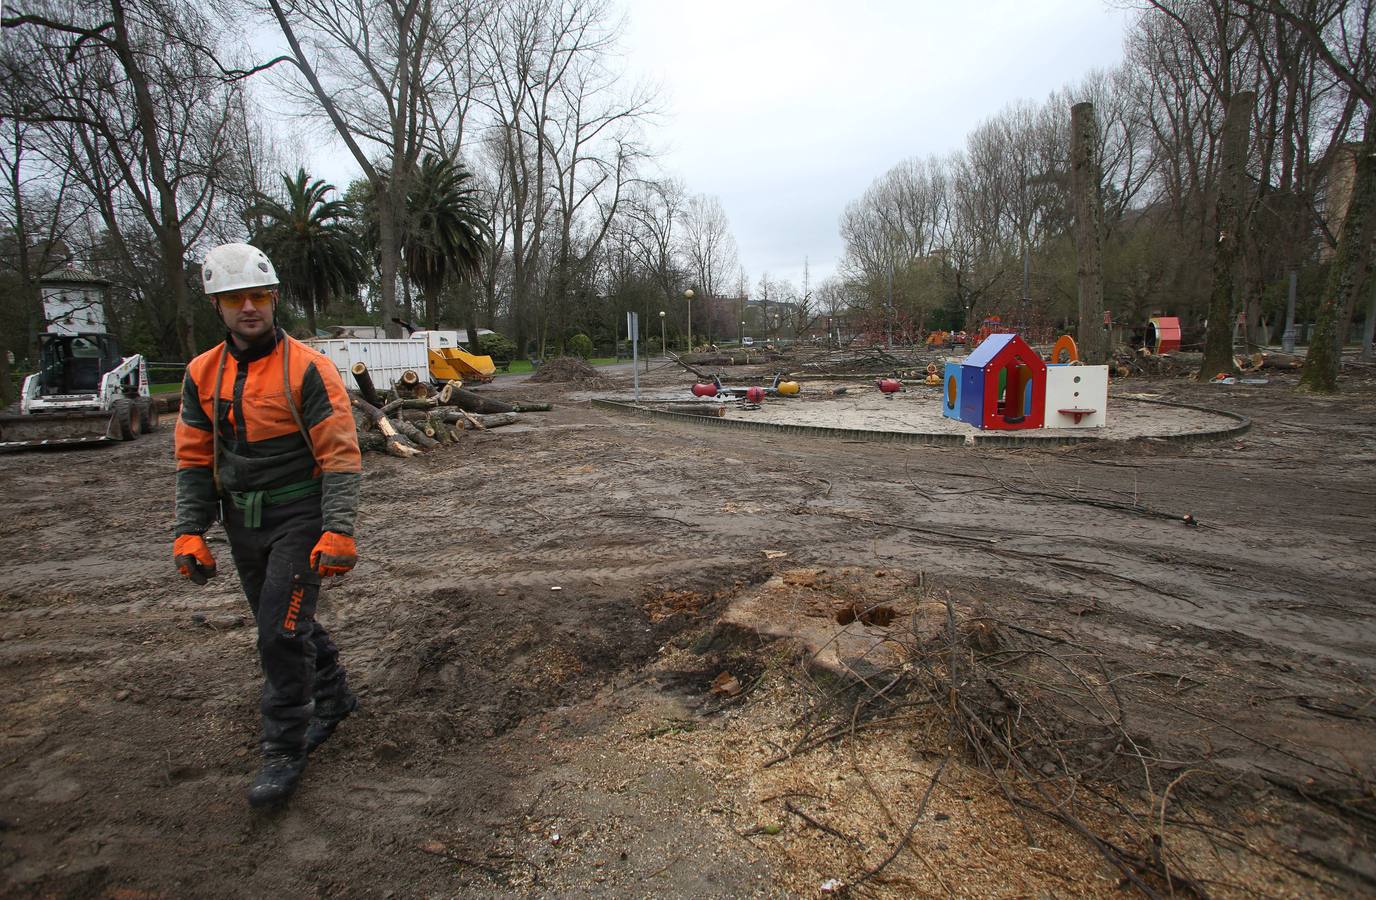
x,y
948,409
991,347
972,393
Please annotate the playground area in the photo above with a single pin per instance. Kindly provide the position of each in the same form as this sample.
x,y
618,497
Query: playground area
x,y
620,678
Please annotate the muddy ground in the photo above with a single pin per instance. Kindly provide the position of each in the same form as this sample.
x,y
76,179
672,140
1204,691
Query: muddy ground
x,y
533,630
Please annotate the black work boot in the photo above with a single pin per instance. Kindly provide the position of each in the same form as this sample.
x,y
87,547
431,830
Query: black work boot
x,y
328,715
279,776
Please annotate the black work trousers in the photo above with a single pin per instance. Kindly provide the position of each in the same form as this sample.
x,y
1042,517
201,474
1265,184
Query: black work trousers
x,y
300,662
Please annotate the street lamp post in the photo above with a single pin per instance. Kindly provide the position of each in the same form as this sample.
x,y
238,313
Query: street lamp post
x,y
663,348
740,338
688,295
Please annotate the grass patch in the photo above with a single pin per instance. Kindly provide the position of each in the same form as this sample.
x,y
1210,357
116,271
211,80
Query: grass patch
x,y
170,388
521,366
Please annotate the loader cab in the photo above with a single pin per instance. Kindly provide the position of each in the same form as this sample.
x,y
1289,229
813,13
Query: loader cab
x,y
74,363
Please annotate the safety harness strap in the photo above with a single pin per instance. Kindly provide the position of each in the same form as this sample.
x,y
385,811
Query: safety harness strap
x,y
251,503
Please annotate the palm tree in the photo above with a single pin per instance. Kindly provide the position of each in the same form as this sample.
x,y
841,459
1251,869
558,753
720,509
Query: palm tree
x,y
445,235
312,243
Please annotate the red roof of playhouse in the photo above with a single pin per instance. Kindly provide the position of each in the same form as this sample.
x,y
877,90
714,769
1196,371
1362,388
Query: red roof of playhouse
x,y
994,346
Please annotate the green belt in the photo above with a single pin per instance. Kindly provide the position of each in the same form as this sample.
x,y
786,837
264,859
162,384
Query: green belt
x,y
251,503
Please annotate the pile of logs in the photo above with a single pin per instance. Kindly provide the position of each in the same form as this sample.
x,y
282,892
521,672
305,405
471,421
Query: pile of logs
x,y
405,426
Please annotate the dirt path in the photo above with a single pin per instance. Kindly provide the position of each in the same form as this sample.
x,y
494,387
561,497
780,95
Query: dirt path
x,y
517,739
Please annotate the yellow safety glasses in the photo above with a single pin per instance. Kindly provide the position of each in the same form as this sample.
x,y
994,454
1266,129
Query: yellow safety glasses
x,y
237,299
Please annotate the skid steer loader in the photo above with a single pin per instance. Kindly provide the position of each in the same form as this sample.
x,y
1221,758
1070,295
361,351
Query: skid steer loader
x,y
85,393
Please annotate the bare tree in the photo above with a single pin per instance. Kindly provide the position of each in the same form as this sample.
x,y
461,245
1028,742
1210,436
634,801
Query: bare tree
x,y
131,91
710,250
376,66
1092,335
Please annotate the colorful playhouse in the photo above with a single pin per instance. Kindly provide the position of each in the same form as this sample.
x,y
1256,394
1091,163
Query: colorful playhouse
x,y
1002,385
1005,385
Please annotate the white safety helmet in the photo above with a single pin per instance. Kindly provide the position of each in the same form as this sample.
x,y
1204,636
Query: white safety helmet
x,y
233,267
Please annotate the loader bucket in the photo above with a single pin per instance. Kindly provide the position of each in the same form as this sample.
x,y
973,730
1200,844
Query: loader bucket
x,y
65,430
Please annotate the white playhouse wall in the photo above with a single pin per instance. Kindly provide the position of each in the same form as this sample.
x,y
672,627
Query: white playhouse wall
x,y
1076,387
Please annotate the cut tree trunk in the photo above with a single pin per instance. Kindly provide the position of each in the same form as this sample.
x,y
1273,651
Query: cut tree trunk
x,y
365,385
397,445
710,410
458,417
477,403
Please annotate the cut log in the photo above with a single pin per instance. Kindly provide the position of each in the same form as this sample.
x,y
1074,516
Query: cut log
x,y
426,404
365,384
409,377
1282,361
711,410
477,403
397,444
420,390
416,436
446,394
462,419
698,372
372,441
531,407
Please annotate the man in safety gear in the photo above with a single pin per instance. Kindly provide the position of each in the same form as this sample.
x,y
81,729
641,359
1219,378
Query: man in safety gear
x,y
266,442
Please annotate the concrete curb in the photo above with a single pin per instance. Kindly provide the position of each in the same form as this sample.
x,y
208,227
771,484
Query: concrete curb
x,y
943,440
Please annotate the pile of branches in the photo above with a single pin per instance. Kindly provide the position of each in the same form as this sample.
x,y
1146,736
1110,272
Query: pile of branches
x,y
870,362
404,426
1042,718
564,369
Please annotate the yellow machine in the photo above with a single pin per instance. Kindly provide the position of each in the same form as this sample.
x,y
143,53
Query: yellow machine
x,y
452,364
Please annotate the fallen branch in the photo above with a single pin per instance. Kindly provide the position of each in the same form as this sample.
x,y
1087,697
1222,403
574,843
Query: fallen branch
x,y
397,445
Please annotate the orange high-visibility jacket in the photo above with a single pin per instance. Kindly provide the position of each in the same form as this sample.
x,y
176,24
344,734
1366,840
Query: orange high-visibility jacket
x,y
261,444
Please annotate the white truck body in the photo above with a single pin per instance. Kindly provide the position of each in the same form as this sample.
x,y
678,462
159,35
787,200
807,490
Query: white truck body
x,y
386,358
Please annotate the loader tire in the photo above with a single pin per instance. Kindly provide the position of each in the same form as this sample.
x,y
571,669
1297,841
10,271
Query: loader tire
x,y
122,420
147,412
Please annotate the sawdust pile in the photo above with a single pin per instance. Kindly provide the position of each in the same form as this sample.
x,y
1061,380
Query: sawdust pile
x,y
566,369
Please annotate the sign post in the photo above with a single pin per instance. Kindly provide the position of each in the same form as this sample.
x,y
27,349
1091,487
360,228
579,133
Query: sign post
x,y
633,329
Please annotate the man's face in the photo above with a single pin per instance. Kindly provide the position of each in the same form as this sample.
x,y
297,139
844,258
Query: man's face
x,y
247,313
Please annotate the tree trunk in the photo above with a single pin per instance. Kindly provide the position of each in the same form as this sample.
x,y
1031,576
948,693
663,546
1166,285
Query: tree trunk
x,y
1091,336
1345,275
492,420
365,384
1369,332
388,232
466,399
1218,339
6,384
168,225
397,444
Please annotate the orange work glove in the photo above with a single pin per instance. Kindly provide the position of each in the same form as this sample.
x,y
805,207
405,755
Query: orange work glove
x,y
193,558
334,554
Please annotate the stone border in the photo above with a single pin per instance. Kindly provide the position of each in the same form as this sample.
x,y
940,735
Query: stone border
x,y
945,440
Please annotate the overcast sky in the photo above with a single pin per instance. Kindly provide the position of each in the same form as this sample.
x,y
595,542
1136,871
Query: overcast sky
x,y
786,110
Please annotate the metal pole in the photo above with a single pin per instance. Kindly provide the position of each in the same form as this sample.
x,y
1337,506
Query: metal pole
x,y
1287,339
631,327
